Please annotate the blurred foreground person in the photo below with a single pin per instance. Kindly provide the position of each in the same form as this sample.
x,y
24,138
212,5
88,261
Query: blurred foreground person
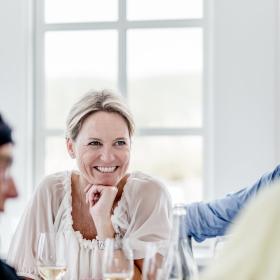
x,y
253,252
7,185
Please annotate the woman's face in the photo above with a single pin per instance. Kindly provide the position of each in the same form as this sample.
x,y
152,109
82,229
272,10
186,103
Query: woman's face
x,y
102,148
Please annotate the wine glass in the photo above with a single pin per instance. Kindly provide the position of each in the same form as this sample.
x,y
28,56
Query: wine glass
x,y
51,257
117,260
165,261
153,267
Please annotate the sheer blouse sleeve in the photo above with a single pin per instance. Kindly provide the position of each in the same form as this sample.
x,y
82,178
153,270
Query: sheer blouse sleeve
x,y
37,217
149,213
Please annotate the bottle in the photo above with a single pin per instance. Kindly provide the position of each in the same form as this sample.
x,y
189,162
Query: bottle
x,y
180,263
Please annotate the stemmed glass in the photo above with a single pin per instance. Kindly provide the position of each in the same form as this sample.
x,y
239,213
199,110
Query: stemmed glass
x,y
117,260
153,267
165,261
51,257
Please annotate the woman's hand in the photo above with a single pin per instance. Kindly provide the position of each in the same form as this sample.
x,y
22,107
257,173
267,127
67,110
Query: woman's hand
x,y
100,200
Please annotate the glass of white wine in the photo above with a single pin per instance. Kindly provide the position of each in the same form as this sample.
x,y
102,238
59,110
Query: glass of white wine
x,y
51,255
117,260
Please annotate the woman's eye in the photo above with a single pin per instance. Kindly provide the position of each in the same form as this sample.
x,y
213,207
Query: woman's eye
x,y
120,143
95,143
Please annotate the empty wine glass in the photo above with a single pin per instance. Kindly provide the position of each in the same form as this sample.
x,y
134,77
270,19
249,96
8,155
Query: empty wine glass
x,y
153,267
51,261
171,259
118,260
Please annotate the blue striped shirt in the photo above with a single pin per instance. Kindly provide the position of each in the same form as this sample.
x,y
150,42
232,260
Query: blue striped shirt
x,y
211,219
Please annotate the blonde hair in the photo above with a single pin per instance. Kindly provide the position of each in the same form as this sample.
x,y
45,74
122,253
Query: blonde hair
x,y
93,102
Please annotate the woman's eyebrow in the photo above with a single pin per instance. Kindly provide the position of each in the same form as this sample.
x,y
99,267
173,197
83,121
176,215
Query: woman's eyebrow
x,y
121,138
94,138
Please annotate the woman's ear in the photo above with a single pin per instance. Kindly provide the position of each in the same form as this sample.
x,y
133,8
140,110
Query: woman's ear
x,y
70,147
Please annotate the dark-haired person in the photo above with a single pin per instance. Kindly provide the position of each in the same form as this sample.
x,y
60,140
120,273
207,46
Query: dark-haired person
x,y
7,185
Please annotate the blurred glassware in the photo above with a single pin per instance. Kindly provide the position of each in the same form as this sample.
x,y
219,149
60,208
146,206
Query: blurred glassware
x,y
219,245
117,260
172,260
180,263
51,255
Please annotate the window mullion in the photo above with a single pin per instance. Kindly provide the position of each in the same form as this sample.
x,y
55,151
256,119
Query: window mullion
x,y
122,23
169,131
39,96
208,101
165,23
122,74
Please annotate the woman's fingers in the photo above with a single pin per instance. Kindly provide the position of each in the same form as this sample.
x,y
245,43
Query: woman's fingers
x,y
91,196
94,193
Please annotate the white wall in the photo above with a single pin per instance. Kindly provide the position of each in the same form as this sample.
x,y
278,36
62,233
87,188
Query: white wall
x,y
14,92
245,112
244,91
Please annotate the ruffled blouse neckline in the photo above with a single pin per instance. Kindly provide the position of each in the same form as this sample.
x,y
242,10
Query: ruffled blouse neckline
x,y
119,217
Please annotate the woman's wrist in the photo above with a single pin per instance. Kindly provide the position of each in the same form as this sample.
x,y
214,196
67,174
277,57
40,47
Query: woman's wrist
x,y
101,243
104,230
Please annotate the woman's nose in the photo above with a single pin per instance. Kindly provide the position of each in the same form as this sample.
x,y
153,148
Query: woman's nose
x,y
107,154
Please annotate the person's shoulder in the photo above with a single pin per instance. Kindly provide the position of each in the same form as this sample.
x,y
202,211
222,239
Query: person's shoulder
x,y
142,184
143,180
7,272
55,181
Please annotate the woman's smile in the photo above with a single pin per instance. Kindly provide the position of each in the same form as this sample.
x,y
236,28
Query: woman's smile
x,y
106,169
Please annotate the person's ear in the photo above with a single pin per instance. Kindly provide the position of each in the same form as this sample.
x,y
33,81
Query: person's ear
x,y
70,147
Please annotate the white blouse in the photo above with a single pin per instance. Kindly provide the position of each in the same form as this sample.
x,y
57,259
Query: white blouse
x,y
143,214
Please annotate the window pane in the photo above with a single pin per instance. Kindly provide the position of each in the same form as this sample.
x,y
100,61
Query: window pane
x,y
80,10
165,76
180,165
57,158
163,9
76,62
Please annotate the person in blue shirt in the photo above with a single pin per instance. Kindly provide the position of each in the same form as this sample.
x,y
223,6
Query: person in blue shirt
x,y
211,219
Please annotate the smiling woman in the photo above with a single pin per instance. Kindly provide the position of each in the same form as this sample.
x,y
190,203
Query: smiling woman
x,y
100,200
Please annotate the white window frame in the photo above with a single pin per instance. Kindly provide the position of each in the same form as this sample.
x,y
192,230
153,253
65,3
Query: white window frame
x,y
122,25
